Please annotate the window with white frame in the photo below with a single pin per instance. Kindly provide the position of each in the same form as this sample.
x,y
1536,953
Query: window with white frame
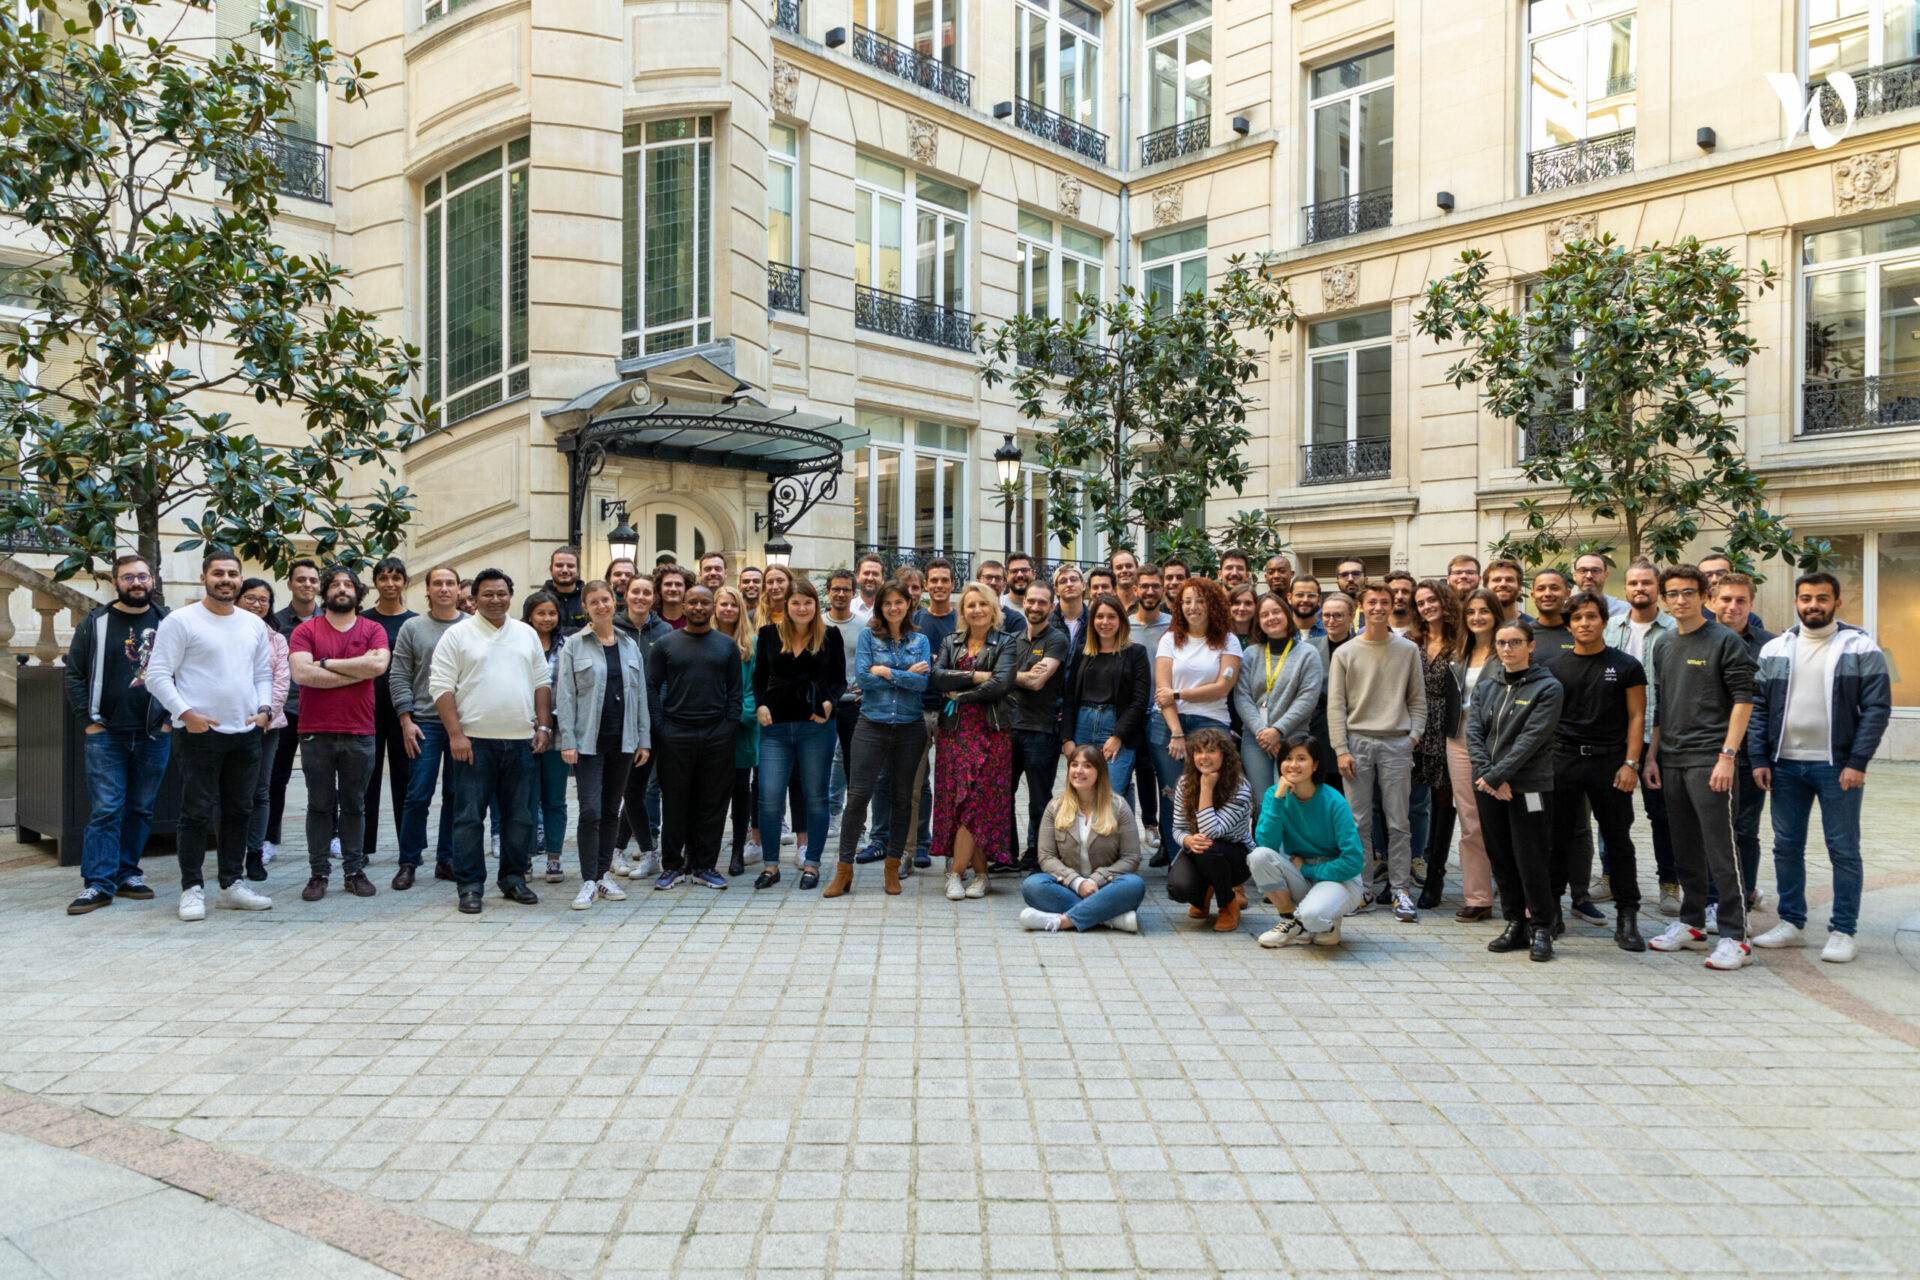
x,y
1173,265
233,22
932,28
1057,58
911,484
890,204
666,220
1860,327
1033,531
1853,35
476,281
783,195
1179,63
1350,146
1057,266
1879,572
1581,57
434,10
1349,397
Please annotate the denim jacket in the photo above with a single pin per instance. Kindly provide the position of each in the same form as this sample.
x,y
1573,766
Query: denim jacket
x,y
580,683
894,701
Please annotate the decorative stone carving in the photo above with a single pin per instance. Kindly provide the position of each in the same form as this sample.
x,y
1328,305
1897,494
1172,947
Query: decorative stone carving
x,y
1069,196
1167,201
786,87
1865,181
1340,286
1563,231
923,139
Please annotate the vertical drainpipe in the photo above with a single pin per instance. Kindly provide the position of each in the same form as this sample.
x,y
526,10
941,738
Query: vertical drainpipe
x,y
1124,230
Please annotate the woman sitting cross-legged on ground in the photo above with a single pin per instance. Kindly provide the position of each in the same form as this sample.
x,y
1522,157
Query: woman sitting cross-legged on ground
x,y
1089,853
1212,829
1307,858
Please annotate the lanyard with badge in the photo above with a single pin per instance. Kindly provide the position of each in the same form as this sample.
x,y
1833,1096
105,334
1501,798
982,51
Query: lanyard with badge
x,y
1273,670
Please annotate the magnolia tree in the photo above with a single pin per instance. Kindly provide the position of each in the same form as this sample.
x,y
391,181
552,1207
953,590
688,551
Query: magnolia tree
x,y
140,170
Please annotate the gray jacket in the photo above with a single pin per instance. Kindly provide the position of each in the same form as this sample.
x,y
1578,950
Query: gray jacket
x,y
579,689
1104,857
411,668
1289,705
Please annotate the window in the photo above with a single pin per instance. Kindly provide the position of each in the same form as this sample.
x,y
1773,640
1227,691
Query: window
x,y
1033,533
1860,330
1350,146
1854,35
1179,79
438,9
910,484
783,190
1056,266
1580,100
1173,265
916,290
1879,573
1349,398
666,212
476,286
917,40
1056,60
296,142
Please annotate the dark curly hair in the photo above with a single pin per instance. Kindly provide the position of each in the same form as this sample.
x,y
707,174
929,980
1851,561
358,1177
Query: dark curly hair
x,y
1451,627
1219,620
1230,772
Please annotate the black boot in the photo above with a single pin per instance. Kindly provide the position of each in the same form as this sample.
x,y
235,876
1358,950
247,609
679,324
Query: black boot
x,y
1513,938
737,865
1559,925
1626,929
1542,948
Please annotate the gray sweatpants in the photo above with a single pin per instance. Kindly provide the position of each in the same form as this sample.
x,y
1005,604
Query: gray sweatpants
x,y
1318,905
1390,762
1701,822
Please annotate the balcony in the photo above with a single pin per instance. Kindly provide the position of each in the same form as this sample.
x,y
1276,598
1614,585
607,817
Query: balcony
x,y
302,164
783,288
1369,459
1179,140
1349,215
1876,92
1586,161
1551,438
1056,128
896,59
1860,404
1061,366
26,539
894,558
786,15
901,317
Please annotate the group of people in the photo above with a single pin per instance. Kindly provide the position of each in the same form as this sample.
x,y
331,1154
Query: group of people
x,y
1320,742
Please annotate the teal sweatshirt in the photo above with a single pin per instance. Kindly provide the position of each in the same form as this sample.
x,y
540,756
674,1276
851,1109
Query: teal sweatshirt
x,y
1320,831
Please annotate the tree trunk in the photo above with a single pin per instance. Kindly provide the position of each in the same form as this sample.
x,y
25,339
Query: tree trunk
x,y
147,516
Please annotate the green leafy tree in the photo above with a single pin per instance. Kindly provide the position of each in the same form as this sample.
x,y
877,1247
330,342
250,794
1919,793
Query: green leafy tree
x,y
1146,398
137,166
1255,532
1618,370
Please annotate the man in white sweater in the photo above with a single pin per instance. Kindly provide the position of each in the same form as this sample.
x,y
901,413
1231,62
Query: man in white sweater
x,y
1376,711
212,668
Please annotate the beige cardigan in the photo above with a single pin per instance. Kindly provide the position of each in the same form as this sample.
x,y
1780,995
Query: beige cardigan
x,y
1105,856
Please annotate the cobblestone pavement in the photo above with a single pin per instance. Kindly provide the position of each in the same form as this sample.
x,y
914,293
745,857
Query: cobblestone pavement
x,y
769,1084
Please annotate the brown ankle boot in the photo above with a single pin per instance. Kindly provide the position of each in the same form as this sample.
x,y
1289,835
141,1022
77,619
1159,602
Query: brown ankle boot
x,y
893,875
1200,910
842,880
1230,913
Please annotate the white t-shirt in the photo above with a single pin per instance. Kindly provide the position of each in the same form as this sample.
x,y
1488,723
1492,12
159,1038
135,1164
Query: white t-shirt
x,y
1195,664
1637,639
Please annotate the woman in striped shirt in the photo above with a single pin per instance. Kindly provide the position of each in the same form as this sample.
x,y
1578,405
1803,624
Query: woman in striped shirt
x,y
1212,829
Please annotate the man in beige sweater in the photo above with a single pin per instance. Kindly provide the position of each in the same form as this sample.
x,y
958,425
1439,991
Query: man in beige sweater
x,y
1376,712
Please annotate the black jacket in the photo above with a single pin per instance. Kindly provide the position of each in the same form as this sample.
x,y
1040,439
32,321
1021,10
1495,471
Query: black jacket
x,y
1133,696
573,606
84,667
1000,654
1510,728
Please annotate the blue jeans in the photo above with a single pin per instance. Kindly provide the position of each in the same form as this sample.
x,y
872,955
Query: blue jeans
x,y
502,768
1796,785
1262,770
550,775
421,779
805,748
124,768
1123,894
1091,728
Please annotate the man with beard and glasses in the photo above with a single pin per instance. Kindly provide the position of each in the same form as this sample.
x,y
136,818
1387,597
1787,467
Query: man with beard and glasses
x,y
390,611
211,667
421,732
303,601
337,658
1020,576
127,736
701,682
1279,576
1463,574
1504,579
1590,571
1303,597
1351,575
1035,705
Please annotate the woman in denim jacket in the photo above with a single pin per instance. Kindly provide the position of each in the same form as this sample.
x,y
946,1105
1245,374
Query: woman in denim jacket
x,y
891,661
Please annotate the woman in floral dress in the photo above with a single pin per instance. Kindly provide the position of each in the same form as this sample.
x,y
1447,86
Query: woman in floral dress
x,y
973,754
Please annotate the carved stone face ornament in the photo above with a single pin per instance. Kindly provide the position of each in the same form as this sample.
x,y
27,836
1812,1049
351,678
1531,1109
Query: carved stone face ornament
x,y
785,91
1070,192
1866,181
1340,286
923,139
1167,202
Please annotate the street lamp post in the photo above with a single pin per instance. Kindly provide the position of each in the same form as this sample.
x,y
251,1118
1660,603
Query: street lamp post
x,y
623,542
779,550
1006,461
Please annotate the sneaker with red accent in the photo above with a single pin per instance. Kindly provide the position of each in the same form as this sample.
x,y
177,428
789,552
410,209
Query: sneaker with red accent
x,y
1730,954
1679,936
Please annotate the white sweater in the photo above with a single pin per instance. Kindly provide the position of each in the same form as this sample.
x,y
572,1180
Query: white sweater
x,y
492,673
220,665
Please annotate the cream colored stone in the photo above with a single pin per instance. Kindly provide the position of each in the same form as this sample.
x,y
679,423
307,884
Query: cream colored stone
x,y
1339,286
1865,181
1167,202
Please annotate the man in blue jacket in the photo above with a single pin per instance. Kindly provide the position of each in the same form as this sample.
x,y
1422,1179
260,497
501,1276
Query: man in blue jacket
x,y
1824,698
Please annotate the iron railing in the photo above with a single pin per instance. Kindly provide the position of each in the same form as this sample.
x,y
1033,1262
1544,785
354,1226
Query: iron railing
x,y
1876,92
904,317
783,287
1176,140
1860,404
894,557
1061,365
896,59
786,15
1577,162
1054,127
302,163
1349,215
1550,438
1367,459
26,539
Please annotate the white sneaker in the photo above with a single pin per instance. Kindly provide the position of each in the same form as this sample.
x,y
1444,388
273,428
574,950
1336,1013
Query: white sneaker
x,y
786,837
956,888
268,852
495,846
1288,933
1839,948
1126,922
1730,955
620,866
1784,934
611,891
193,903
238,897
1330,938
648,868
753,852
977,887
333,847
1038,921
1756,899
1679,936
588,892
1713,918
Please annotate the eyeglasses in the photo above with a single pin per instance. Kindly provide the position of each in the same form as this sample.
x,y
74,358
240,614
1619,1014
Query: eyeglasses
x,y
1682,593
136,577
1510,644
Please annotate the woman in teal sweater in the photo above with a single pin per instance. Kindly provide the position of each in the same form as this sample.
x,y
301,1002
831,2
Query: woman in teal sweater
x,y
1308,858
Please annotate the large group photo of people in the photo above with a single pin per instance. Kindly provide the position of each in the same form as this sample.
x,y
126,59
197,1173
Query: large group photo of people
x,y
1331,750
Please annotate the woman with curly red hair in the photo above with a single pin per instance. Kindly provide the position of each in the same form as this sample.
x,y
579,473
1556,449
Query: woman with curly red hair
x,y
1194,669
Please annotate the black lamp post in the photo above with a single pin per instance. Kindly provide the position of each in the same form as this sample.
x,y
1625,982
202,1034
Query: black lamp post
x,y
623,542
1006,461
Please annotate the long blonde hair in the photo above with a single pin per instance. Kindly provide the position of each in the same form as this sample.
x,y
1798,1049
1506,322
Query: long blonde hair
x,y
1066,810
742,633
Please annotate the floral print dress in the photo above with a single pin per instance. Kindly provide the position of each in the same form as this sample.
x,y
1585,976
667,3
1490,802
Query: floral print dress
x,y
972,778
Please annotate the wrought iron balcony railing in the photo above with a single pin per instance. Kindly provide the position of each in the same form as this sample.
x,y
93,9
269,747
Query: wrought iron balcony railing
x,y
1860,404
903,317
896,59
302,163
1349,215
1178,140
1578,162
1876,92
786,15
26,539
1061,365
1054,127
783,287
894,557
1368,459
1552,438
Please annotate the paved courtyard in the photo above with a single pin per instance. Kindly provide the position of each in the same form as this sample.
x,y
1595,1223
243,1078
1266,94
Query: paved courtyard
x,y
767,1084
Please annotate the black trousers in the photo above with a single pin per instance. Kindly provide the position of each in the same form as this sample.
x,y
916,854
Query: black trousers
x,y
1579,783
696,783
599,781
1222,868
1440,825
633,805
886,753
745,806
387,743
218,771
285,752
1036,757
1520,849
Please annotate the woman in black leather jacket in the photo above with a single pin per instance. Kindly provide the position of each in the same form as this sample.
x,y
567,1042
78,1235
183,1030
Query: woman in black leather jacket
x,y
973,760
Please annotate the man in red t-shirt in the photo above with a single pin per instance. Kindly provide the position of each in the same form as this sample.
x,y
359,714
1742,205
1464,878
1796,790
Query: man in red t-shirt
x,y
337,655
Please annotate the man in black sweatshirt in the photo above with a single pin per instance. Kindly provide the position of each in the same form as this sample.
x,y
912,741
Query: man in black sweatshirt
x,y
698,672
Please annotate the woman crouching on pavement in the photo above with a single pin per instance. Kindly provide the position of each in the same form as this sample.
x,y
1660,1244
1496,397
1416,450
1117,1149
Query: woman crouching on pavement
x,y
1307,858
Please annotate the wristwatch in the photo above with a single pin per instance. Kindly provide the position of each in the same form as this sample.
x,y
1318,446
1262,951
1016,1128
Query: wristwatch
x,y
1729,755
323,664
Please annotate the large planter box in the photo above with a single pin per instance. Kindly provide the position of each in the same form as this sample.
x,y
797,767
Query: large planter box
x,y
53,773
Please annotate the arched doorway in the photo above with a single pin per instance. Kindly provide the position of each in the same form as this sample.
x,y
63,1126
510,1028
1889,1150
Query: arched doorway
x,y
677,528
